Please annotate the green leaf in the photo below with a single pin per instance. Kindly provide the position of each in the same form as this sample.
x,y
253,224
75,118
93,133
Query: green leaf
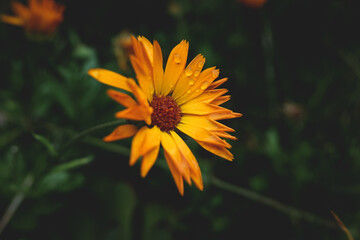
x,y
46,143
73,164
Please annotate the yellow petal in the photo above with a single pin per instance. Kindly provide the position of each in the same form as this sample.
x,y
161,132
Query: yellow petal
x,y
217,150
137,144
121,98
149,160
224,115
204,80
12,20
110,78
200,108
141,54
147,47
174,67
208,96
175,173
171,149
121,132
145,140
21,10
137,112
158,68
217,83
145,80
205,122
202,134
224,135
220,100
195,172
188,77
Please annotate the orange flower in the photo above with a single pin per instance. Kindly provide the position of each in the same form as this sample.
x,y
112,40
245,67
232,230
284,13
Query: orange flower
x,y
40,17
177,99
253,3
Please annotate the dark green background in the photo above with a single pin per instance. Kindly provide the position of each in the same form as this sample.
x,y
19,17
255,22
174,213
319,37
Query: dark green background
x,y
299,52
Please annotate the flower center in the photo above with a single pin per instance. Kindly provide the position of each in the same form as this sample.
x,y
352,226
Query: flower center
x,y
166,113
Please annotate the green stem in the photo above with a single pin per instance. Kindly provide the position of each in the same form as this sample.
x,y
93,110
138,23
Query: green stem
x,y
291,211
16,201
82,134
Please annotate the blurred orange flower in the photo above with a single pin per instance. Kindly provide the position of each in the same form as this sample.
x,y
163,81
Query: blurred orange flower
x,y
39,17
123,49
253,3
177,99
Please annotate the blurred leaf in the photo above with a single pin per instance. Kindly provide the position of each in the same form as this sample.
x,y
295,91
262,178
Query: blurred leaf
x,y
73,164
157,222
59,181
125,202
46,143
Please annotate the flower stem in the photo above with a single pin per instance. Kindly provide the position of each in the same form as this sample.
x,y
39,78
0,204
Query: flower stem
x,y
16,201
291,211
90,130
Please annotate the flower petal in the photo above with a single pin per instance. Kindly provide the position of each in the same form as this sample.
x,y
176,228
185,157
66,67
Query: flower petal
x,y
220,100
21,10
204,122
145,80
121,98
225,115
110,78
149,160
147,48
202,134
217,83
174,66
201,108
150,149
217,150
204,80
137,144
17,21
173,153
158,68
146,140
138,113
195,172
175,173
121,132
188,76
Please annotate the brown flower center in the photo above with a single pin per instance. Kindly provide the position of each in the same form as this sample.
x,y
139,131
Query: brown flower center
x,y
166,113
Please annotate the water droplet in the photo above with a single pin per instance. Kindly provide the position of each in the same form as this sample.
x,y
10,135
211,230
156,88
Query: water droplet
x,y
215,73
204,85
177,58
188,92
201,64
188,71
197,90
151,91
196,73
191,81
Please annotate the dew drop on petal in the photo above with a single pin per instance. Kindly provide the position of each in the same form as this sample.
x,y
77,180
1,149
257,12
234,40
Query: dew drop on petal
x,y
177,58
197,90
215,73
191,81
201,64
188,92
196,73
204,85
188,71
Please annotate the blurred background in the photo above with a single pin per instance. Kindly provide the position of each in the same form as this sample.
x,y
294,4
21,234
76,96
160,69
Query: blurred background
x,y
294,72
